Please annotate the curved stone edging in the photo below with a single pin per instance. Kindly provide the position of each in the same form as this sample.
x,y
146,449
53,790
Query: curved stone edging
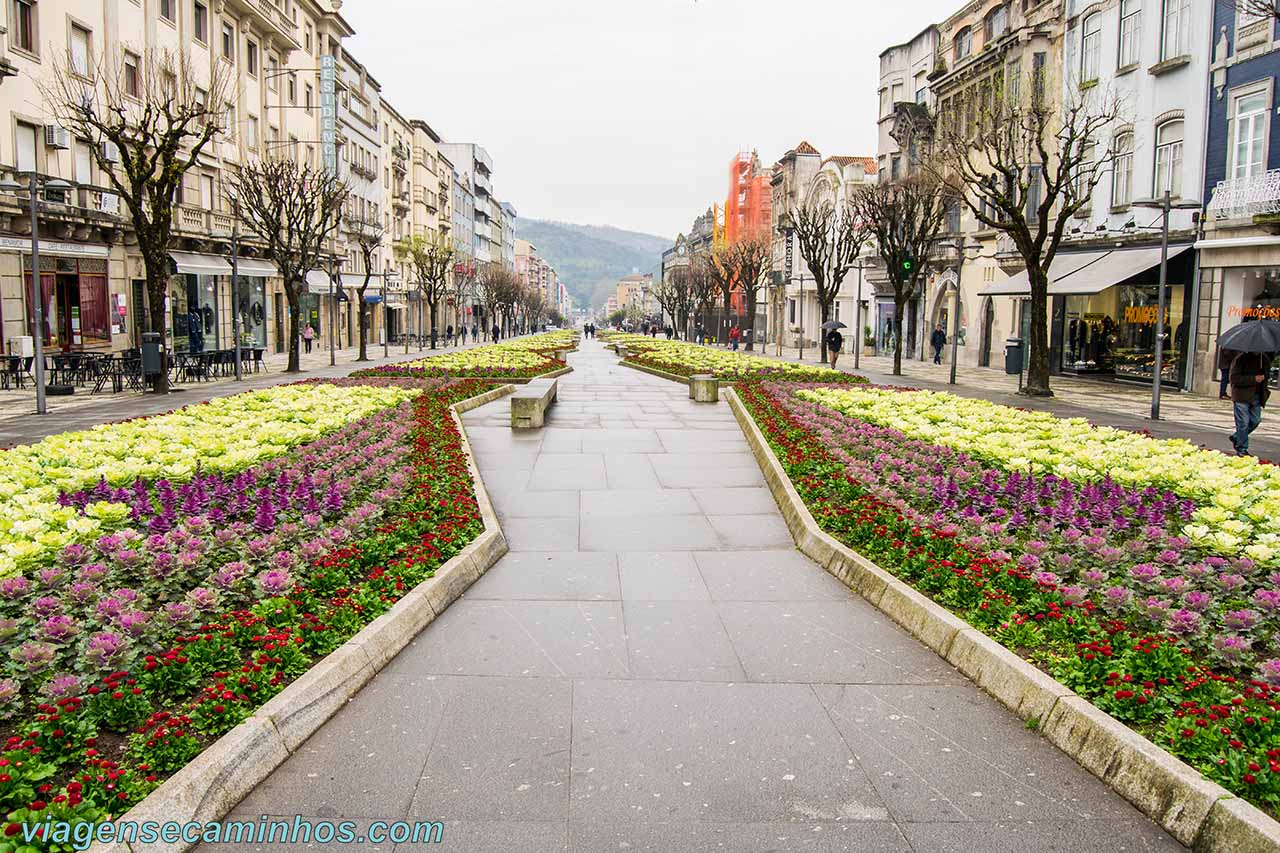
x,y
662,374
217,779
1195,811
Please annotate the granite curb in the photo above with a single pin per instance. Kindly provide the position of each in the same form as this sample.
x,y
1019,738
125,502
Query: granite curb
x,y
211,785
1197,812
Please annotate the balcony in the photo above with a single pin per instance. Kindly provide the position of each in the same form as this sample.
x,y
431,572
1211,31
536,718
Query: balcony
x,y
193,221
483,183
269,17
1240,198
1008,256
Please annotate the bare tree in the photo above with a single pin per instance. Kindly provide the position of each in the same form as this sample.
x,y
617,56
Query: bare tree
x,y
720,270
499,289
905,218
461,290
146,126
669,292
294,209
432,262
830,237
365,234
702,283
1257,10
748,263
533,301
1026,167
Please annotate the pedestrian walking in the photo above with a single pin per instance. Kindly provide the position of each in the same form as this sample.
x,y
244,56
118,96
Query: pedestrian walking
x,y
835,340
1249,393
448,335
308,335
496,332
735,335
1225,357
463,330
938,340
475,333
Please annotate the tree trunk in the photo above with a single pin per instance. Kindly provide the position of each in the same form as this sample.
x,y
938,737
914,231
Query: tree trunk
x,y
295,332
751,321
1038,350
899,304
824,311
431,306
364,323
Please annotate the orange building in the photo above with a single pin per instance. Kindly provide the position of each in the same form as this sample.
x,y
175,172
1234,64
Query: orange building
x,y
748,204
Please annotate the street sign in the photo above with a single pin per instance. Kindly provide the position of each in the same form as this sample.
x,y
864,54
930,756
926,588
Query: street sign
x,y
328,114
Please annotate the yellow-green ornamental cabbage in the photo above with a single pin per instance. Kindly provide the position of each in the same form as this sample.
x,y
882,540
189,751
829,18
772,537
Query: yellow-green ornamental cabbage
x,y
226,435
1238,500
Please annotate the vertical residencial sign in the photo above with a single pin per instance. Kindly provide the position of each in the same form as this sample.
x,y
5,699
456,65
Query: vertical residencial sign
x,y
328,115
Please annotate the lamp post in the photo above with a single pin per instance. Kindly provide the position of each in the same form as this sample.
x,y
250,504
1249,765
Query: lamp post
x,y
235,293
961,248
857,319
33,187
333,310
386,317
1164,204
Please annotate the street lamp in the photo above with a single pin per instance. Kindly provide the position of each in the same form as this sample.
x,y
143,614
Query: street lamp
x,y
387,277
857,317
1164,204
37,293
961,248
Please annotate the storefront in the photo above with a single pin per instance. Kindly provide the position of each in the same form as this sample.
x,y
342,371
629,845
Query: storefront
x,y
1103,312
76,299
1240,283
250,300
193,303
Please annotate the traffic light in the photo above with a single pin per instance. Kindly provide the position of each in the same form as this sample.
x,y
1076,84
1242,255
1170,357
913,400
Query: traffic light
x,y
907,265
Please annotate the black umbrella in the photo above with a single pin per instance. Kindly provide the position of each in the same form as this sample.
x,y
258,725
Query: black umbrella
x,y
834,324
1252,336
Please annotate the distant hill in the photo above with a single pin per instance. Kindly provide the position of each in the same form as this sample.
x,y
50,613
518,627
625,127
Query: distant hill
x,y
591,258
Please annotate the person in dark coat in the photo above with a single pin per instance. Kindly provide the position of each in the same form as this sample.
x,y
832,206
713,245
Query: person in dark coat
x,y
835,340
1249,394
496,332
938,340
1225,357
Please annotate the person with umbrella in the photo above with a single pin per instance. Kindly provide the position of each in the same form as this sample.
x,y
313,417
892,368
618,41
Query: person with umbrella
x,y
1255,342
834,340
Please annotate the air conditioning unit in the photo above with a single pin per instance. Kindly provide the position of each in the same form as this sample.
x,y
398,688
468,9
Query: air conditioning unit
x,y
57,137
110,152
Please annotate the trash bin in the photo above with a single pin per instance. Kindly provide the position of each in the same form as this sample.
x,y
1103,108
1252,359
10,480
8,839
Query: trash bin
x,y
151,355
1013,356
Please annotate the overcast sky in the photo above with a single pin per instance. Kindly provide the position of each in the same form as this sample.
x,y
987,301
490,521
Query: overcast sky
x,y
627,112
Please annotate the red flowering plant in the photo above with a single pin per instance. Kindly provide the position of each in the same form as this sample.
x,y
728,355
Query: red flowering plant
x,y
962,533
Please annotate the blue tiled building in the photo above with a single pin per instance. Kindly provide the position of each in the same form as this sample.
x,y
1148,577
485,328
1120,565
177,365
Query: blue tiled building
x,y
1240,247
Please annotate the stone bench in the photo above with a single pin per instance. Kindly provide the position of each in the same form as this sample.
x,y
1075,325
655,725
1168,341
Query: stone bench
x,y
530,402
704,388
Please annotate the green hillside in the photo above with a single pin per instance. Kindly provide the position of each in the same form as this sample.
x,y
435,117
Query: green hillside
x,y
591,258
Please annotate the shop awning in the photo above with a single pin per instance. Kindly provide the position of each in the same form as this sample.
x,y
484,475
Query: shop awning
x,y
318,283
191,263
257,268
356,280
1117,266
395,306
1064,264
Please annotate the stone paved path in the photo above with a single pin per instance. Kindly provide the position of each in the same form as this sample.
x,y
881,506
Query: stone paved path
x,y
654,667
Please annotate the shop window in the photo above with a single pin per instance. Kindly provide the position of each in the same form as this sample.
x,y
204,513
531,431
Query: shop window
x,y
1122,171
1249,134
1169,158
1130,32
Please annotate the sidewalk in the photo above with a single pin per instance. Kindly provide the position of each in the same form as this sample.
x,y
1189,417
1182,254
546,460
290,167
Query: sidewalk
x,y
1203,420
20,425
653,666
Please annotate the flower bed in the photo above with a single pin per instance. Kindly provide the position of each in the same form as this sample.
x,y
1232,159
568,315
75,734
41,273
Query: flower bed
x,y
686,359
128,654
523,358
1094,581
224,436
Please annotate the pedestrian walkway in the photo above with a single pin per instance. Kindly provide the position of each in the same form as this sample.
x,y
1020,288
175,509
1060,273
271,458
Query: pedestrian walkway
x,y
20,425
653,666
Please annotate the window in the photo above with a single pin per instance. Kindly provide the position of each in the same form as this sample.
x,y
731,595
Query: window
x,y
228,43
84,163
200,23
1130,32
1035,178
206,192
791,311
132,76
895,167
1175,40
1169,158
1085,177
26,147
1091,48
24,25
166,10
251,58
230,124
1037,76
79,52
997,23
1249,136
962,44
309,39
307,100
1122,171
251,133
922,95
293,88
273,73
